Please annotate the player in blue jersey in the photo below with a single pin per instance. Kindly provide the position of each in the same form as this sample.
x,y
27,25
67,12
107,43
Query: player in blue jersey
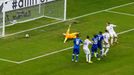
x,y
95,47
100,40
76,49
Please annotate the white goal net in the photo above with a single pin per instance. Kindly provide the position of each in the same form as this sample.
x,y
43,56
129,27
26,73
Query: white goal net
x,y
19,11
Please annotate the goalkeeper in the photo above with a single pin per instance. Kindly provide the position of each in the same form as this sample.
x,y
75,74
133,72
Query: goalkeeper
x,y
69,35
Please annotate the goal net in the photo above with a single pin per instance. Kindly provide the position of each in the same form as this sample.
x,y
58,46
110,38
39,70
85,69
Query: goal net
x,y
1,23
19,11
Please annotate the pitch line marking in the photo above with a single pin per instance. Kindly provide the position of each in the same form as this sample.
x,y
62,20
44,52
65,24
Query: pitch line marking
x,y
57,23
11,61
69,19
121,13
58,51
126,31
120,6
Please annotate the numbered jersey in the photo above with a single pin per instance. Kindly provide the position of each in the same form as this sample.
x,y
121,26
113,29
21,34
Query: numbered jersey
x,y
77,42
100,38
95,41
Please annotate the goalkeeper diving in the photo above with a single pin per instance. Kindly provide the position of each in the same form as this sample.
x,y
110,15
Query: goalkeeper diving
x,y
69,35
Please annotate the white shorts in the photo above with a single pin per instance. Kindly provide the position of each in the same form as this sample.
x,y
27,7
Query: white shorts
x,y
113,34
86,50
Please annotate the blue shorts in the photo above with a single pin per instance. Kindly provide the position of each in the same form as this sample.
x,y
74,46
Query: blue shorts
x,y
76,51
94,48
100,46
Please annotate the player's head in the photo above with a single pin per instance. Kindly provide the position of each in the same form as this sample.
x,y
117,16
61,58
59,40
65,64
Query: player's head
x,y
95,35
108,23
88,37
100,32
106,31
77,35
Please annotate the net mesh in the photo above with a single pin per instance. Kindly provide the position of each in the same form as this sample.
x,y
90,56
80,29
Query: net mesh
x,y
53,9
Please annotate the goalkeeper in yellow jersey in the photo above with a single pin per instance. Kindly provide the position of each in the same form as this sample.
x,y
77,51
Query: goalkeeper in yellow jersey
x,y
69,35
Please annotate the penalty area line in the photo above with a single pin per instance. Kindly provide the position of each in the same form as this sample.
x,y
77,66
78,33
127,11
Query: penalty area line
x,y
51,53
11,61
58,51
20,62
121,13
126,31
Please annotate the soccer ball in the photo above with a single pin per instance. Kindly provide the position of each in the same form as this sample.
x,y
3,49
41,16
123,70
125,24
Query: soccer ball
x,y
27,35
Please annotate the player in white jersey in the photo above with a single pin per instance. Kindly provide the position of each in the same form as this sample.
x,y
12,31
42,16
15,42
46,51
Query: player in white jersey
x,y
110,28
106,44
87,42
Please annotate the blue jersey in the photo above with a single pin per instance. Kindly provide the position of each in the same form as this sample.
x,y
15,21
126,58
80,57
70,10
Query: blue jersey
x,y
77,42
100,38
95,41
95,44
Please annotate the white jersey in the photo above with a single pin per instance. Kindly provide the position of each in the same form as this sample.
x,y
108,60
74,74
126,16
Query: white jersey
x,y
86,44
110,28
106,37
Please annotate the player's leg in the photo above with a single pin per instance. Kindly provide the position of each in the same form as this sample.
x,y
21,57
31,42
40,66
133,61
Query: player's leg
x,y
92,51
85,51
75,33
111,38
115,38
89,57
86,57
104,46
68,30
77,55
101,49
107,49
74,52
96,53
73,57
65,40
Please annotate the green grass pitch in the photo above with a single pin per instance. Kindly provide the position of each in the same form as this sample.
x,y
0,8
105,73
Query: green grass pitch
x,y
16,51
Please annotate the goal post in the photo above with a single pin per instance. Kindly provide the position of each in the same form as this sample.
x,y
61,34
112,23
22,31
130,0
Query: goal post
x,y
20,11
55,9
2,21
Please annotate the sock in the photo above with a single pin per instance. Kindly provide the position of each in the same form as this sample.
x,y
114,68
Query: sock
x,y
95,54
102,52
107,50
77,58
72,57
89,57
115,40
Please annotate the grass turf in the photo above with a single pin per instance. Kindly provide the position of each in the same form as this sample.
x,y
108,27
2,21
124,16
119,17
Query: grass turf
x,y
50,39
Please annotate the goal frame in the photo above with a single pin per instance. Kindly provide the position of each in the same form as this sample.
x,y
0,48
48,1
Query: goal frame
x,y
4,13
